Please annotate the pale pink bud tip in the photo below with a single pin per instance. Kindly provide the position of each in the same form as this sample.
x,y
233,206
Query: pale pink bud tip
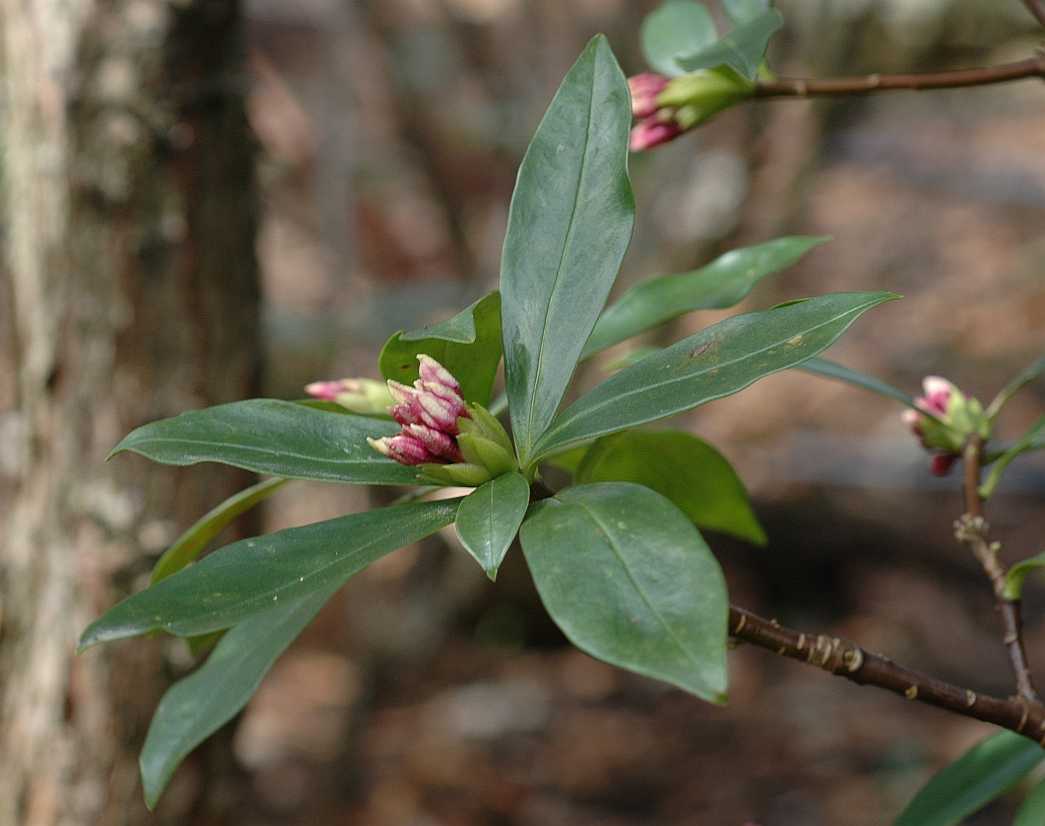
x,y
409,450
380,445
326,390
432,371
652,132
644,89
938,392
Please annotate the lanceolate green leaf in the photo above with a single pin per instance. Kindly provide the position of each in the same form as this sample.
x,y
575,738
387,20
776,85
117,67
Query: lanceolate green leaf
x,y
1018,572
1032,812
717,361
688,471
197,706
972,781
191,543
677,29
1023,378
629,580
742,50
568,228
1033,439
249,577
274,437
722,283
468,345
489,519
833,370
740,11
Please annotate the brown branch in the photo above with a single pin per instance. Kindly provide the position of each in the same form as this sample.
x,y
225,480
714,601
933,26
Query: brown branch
x,y
972,530
868,84
846,659
1036,10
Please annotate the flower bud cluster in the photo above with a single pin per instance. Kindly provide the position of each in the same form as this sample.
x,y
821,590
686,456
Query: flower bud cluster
x,y
665,108
454,442
953,418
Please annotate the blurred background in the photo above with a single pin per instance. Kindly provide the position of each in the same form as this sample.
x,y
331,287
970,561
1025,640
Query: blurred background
x,y
207,200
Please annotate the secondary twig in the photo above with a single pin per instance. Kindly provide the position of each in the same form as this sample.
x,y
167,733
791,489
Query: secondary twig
x,y
1036,9
846,659
972,530
868,84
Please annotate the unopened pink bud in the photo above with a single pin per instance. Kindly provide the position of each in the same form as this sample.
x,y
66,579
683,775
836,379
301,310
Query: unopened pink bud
x,y
653,132
329,390
409,450
437,443
941,463
438,413
644,89
431,370
938,392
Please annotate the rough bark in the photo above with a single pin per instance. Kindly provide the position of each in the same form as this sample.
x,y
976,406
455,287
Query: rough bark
x,y
128,213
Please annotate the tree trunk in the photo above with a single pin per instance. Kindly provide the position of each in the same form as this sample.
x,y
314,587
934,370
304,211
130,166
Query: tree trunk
x,y
131,292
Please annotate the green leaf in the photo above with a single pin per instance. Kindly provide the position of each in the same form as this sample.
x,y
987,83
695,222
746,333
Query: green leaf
x,y
677,29
720,284
249,577
568,228
1032,812
971,782
629,580
1013,589
198,705
717,361
468,345
274,437
688,471
1022,379
191,543
740,11
489,519
569,460
1033,439
833,370
742,50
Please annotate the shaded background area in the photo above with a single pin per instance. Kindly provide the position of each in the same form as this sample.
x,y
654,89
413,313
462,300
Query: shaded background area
x,y
388,136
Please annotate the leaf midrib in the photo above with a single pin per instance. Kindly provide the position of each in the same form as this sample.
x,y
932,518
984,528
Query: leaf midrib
x,y
562,258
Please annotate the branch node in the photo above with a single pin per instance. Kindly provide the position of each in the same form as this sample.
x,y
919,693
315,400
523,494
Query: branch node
x,y
970,698
911,693
740,624
853,659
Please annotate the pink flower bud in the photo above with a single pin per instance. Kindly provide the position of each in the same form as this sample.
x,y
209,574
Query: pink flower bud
x,y
404,448
652,132
938,392
437,443
329,390
644,89
437,412
941,463
432,371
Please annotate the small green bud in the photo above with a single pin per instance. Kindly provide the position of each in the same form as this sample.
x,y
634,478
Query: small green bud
x,y
485,452
699,95
463,474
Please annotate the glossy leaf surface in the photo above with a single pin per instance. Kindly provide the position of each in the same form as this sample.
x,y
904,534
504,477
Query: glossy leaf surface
x,y
191,544
1032,812
489,518
198,705
972,781
274,437
688,471
568,228
249,577
715,362
722,283
629,580
468,345
742,50
678,28
740,11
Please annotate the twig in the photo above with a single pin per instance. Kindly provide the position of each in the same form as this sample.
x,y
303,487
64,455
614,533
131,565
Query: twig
x,y
1036,9
868,84
846,659
972,530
